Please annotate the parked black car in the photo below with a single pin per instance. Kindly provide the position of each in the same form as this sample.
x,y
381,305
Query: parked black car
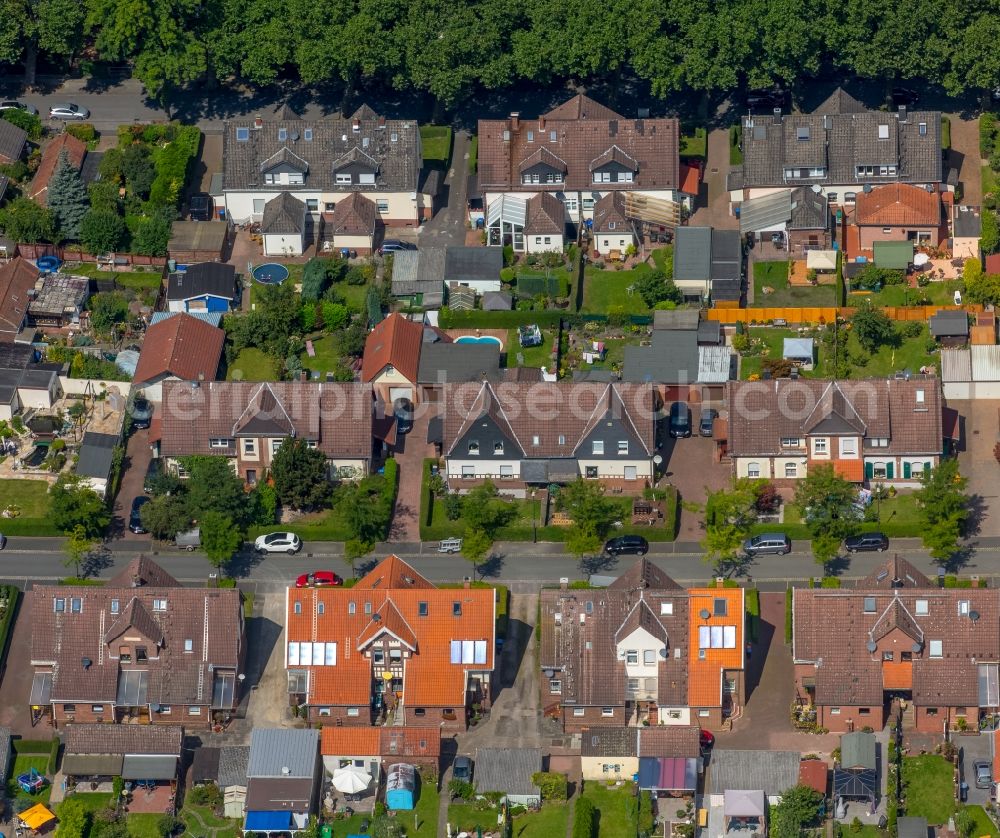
x,y
680,420
142,413
627,545
462,769
867,541
135,516
708,416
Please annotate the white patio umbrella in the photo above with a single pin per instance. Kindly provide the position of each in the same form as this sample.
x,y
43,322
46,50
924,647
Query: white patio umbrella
x,y
351,779
920,259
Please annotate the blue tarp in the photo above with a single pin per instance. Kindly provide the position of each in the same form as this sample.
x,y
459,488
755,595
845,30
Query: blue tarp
x,y
268,821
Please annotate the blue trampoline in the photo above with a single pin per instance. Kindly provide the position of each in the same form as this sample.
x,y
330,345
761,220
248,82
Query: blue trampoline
x,y
270,273
49,264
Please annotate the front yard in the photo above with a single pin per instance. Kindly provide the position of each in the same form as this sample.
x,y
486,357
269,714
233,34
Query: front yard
x,y
32,498
928,788
896,517
617,808
774,275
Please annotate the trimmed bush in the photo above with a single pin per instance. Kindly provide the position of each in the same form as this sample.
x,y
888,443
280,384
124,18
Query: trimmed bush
x,y
584,819
753,613
83,131
553,786
788,616
987,134
172,164
53,756
945,133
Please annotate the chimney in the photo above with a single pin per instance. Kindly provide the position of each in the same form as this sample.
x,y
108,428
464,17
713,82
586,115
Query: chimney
x,y
467,582
515,120
381,123
902,113
258,122
563,582
777,116
541,123
720,582
355,125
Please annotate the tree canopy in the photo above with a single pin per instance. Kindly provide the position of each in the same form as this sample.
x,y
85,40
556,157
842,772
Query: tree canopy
x,y
729,515
67,198
592,514
827,503
944,508
300,474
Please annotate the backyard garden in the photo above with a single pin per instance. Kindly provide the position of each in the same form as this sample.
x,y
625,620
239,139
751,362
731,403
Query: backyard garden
x,y
616,807
928,788
547,822
771,289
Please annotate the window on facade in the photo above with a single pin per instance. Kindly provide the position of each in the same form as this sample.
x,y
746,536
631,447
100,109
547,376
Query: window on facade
x,y
834,711
703,713
343,178
96,708
507,472
649,657
382,206
165,709
555,686
850,197
219,442
591,472
820,446
632,684
353,712
69,708
632,656
474,448
194,711
932,711
579,711
864,711
887,656
548,240
623,446
538,239
831,197
269,178
906,657
422,609
275,445
597,447
468,471
879,470
141,656
419,711
378,657
250,447
498,448
607,711
791,470
848,446
602,177
367,178
324,711
312,204
666,608
159,605
936,649
125,654
753,469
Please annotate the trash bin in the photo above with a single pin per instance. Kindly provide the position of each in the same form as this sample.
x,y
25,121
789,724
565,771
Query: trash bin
x,y
326,831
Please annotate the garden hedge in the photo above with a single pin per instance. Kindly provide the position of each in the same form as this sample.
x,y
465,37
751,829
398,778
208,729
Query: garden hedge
x,y
173,162
584,819
788,616
11,594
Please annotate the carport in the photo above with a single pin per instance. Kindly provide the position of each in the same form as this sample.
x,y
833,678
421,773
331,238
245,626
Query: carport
x,y
149,767
92,765
668,774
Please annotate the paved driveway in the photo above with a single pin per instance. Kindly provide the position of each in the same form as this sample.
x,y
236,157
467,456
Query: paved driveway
x,y
268,704
691,467
981,432
15,683
973,749
137,457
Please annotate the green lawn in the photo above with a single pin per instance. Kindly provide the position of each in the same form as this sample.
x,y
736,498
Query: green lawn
x,y
911,354
209,819
473,154
548,822
327,356
929,788
349,826
897,517
436,141
252,365
775,275
984,826
617,809
533,356
426,813
294,275
662,255
144,825
92,801
136,280
937,293
695,144
23,763
605,290
33,499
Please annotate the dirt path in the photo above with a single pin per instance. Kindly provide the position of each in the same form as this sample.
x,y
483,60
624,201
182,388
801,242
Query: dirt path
x,y
965,152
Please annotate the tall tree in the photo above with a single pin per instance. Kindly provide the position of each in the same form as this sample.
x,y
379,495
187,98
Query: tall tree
x,y
73,504
107,310
212,486
77,546
944,508
166,515
826,501
872,327
26,222
67,198
592,514
102,231
729,516
300,474
799,809
221,537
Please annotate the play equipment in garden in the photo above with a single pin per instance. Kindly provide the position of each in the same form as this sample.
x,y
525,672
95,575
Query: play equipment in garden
x,y
270,273
31,781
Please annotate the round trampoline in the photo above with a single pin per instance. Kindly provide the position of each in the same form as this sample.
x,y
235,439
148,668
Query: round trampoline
x,y
270,273
49,264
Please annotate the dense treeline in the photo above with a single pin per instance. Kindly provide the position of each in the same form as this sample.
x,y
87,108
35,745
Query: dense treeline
x,y
449,48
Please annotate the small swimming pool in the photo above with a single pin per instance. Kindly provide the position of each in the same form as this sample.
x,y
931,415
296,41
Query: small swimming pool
x,y
480,339
270,273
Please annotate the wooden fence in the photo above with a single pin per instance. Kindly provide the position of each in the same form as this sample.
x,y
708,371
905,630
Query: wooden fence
x,y
824,314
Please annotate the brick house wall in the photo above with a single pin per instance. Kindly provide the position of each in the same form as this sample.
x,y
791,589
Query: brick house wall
x,y
339,716
592,717
850,718
84,713
449,720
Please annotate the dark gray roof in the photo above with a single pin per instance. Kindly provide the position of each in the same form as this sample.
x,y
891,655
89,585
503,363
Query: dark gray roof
x,y
840,135
772,772
678,319
393,145
12,140
709,332
610,742
911,827
283,215
283,752
96,454
507,770
950,324
473,263
91,169
727,255
809,210
442,363
497,301
5,753
212,278
233,761
858,750
205,765
671,359
968,222
418,271
692,253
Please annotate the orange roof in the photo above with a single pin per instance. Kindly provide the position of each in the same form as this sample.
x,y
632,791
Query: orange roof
x,y
182,346
705,673
75,149
396,341
690,179
813,773
853,470
898,205
349,741
409,601
897,676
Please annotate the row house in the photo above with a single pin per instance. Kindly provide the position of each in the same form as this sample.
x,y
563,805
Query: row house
x,y
393,648
886,430
321,162
141,649
247,423
524,434
643,651
578,153
897,635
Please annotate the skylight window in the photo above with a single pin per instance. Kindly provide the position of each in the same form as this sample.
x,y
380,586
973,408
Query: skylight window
x,y
883,132
242,134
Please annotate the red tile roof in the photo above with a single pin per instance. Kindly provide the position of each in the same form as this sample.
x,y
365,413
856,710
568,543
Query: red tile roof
x,y
395,341
75,150
705,673
898,205
181,346
690,179
814,773
17,278
355,215
346,617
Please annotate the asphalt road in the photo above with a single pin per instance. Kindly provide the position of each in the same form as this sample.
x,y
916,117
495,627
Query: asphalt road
x,y
42,559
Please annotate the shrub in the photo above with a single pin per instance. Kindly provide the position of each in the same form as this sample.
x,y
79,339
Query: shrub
x,y
206,795
551,784
172,162
584,820
453,506
30,123
83,131
53,756
788,615
987,134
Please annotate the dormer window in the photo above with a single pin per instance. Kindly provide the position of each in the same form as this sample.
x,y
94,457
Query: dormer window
x,y
159,605
498,448
367,178
802,133
344,178
307,135
394,137
597,447
922,128
473,448
611,225
623,446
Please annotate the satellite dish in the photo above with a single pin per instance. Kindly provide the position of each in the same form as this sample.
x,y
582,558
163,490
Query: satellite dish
x,y
549,673
704,613
657,459
817,188
974,616
872,646
918,647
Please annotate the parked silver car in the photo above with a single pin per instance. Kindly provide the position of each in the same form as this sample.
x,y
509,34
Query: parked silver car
x,y
68,111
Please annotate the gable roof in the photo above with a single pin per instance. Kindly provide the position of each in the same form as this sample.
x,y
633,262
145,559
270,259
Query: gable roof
x,y
570,410
545,214
17,278
142,572
396,341
96,455
839,136
580,134
950,324
354,216
875,408
12,140
610,742
123,739
895,572
897,205
667,741
182,346
76,151
136,616
214,279
391,145
857,750
610,210
392,588
283,215
809,210
708,659
772,772
335,415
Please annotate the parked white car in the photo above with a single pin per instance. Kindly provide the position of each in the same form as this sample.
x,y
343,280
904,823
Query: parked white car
x,y
68,111
279,542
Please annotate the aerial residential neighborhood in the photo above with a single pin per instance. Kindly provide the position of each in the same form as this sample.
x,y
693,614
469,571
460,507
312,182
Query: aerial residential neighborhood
x,y
404,440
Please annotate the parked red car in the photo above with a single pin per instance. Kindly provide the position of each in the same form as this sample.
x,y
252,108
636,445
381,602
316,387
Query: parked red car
x,y
318,579
706,739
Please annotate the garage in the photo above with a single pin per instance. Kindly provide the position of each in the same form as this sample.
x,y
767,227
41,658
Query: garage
x,y
400,393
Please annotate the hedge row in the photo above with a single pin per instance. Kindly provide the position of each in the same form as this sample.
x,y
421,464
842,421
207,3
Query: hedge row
x,y
788,616
476,319
800,532
172,164
753,613
584,819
